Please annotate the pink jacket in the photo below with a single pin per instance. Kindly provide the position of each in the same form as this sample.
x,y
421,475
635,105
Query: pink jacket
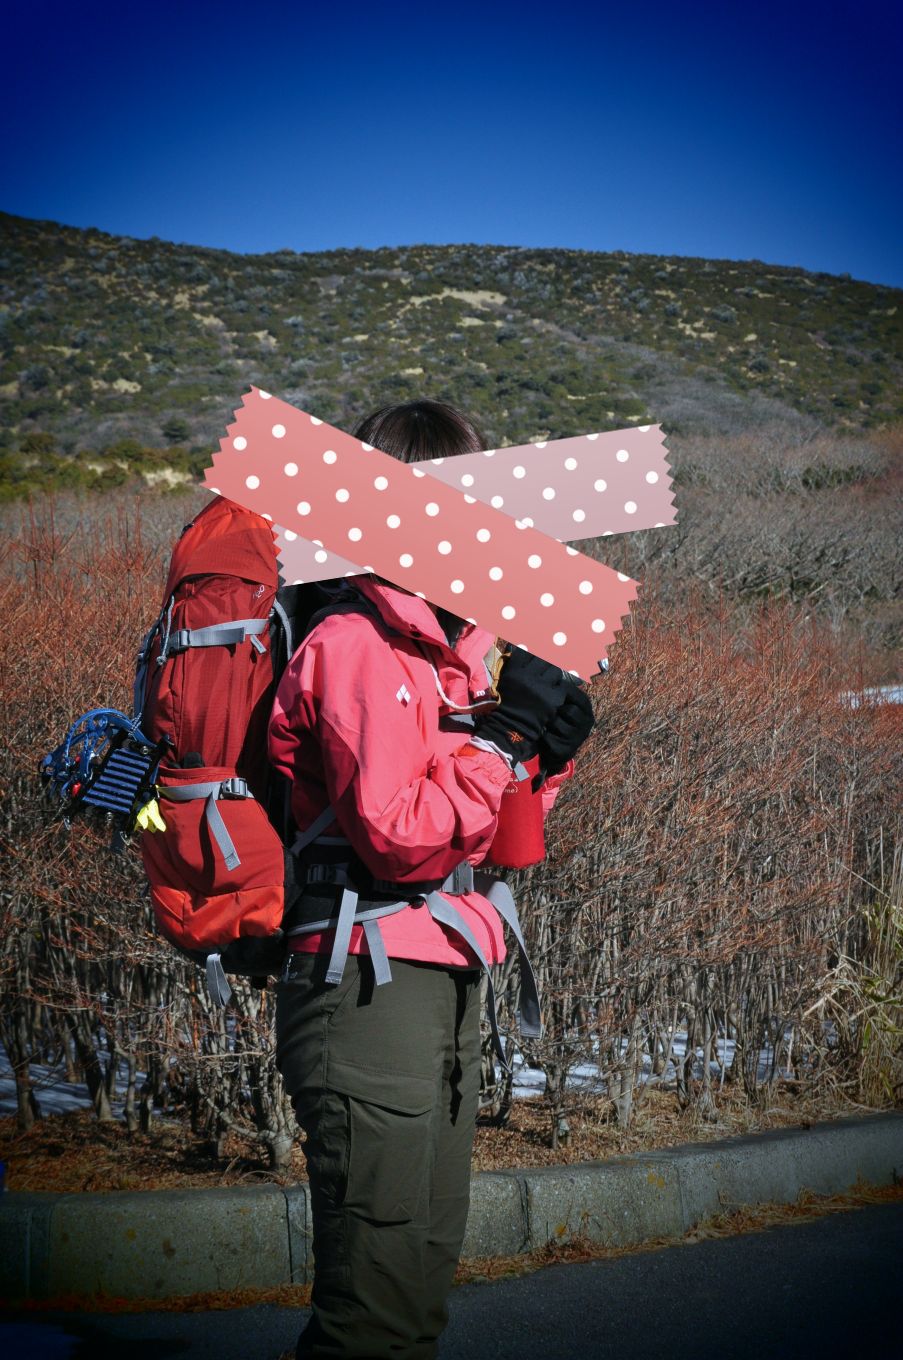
x,y
355,725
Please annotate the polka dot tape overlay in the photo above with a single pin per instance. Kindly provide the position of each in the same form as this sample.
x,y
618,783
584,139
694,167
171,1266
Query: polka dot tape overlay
x,y
584,487
328,494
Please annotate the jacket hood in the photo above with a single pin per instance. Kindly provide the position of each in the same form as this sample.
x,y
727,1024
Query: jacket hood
x,y
462,669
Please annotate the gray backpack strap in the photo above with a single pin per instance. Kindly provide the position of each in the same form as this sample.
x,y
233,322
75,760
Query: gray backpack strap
x,y
286,627
217,983
226,788
342,940
447,915
217,635
304,838
376,945
360,918
496,891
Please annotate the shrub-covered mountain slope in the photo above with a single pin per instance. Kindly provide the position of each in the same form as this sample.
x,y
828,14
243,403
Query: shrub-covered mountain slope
x,y
779,390
108,338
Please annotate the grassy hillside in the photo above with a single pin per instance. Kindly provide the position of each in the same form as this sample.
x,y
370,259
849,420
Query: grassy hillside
x,y
780,390
117,345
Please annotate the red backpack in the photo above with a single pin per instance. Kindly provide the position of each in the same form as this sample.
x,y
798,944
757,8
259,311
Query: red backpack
x,y
205,680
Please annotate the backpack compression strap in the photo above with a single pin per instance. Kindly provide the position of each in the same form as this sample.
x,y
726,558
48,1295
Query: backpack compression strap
x,y
226,634
215,635
226,788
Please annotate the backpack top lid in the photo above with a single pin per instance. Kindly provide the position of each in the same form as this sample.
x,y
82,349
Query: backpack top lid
x,y
225,539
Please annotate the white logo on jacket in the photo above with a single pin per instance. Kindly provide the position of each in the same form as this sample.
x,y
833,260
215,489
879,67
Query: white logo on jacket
x,y
403,696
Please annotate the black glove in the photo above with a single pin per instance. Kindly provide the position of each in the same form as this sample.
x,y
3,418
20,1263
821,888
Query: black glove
x,y
531,692
568,729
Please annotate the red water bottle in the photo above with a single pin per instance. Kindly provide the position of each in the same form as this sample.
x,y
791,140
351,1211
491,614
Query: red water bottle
x,y
519,837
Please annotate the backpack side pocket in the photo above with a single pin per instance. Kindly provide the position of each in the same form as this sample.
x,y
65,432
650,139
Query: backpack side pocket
x,y
217,871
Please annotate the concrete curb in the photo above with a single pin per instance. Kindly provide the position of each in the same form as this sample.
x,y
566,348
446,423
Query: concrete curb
x,y
157,1244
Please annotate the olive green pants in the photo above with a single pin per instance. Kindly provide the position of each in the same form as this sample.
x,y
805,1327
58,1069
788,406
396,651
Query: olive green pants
x,y
385,1084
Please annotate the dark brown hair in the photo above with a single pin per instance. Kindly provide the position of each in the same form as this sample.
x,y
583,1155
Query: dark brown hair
x,y
416,430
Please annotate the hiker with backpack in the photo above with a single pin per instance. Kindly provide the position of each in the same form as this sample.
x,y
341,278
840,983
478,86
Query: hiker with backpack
x,y
399,746
319,770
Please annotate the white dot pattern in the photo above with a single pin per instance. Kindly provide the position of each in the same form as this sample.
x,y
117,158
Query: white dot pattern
x,y
558,483
532,498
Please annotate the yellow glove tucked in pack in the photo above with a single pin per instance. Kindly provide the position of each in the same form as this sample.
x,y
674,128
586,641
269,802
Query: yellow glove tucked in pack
x,y
149,818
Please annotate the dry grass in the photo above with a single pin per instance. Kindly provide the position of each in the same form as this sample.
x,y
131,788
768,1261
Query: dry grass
x,y
74,1152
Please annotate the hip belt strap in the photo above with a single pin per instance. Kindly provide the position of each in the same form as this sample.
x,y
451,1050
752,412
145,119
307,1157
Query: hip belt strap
x,y
447,915
496,892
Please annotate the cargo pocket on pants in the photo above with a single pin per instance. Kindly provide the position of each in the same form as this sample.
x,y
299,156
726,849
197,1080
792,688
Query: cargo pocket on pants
x,y
391,1123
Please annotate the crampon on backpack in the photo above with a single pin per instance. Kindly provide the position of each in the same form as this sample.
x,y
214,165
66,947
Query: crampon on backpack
x,y
192,762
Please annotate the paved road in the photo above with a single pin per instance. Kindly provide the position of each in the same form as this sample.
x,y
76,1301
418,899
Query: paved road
x,y
828,1290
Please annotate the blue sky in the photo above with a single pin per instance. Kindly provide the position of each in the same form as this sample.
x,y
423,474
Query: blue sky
x,y
769,131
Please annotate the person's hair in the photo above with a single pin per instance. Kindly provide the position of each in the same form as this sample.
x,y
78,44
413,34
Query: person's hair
x,y
416,430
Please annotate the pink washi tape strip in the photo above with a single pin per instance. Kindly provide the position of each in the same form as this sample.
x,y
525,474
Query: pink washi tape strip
x,y
582,487
621,477
441,543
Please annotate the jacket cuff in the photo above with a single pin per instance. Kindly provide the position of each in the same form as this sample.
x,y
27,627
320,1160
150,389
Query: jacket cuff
x,y
482,744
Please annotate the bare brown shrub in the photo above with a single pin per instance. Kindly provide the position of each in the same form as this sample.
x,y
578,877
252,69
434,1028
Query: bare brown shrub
x,y
711,870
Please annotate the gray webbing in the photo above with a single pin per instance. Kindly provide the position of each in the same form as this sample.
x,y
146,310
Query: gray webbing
x,y
447,915
217,982
304,838
339,954
496,891
219,635
286,628
462,879
376,945
370,914
226,788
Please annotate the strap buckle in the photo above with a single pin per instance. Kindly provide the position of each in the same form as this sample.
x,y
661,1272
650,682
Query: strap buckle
x,y
236,787
180,641
326,873
459,881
